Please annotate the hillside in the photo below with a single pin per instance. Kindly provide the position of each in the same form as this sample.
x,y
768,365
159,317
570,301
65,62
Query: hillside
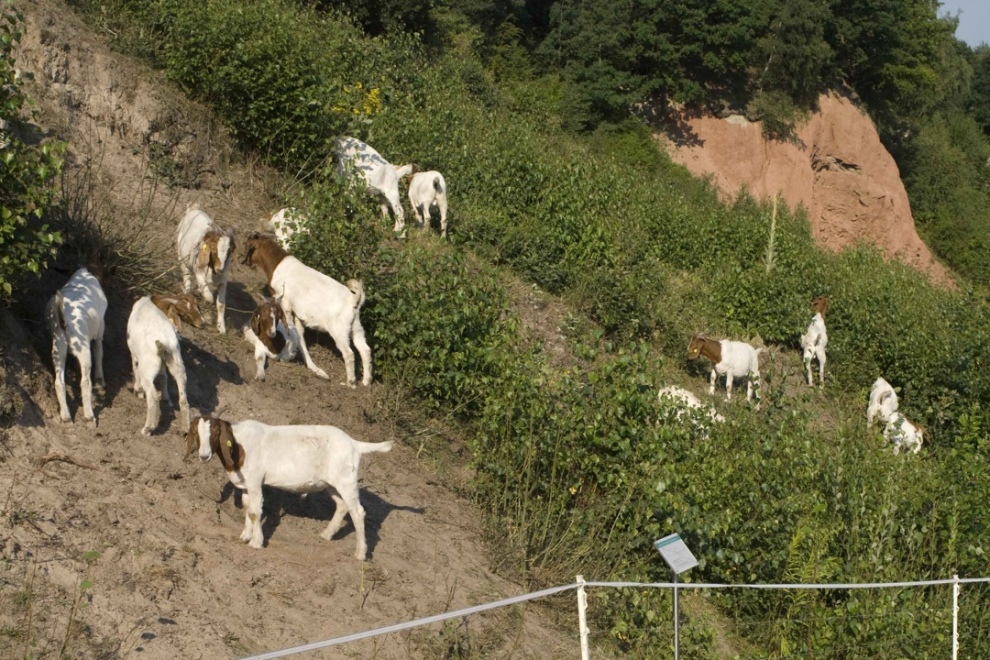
x,y
171,579
518,362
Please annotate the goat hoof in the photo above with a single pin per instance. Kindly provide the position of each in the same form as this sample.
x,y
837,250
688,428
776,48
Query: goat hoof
x,y
92,421
353,386
258,545
65,419
360,556
146,431
322,374
245,536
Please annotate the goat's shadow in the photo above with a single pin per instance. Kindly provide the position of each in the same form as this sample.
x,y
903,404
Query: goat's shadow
x,y
239,302
204,371
318,506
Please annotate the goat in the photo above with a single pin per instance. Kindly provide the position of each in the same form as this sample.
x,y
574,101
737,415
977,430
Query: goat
x,y
686,403
426,190
299,459
205,253
154,345
179,307
734,359
271,335
312,299
74,316
815,339
286,223
381,178
883,402
903,433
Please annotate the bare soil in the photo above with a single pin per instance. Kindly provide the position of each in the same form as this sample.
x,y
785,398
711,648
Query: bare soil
x,y
112,546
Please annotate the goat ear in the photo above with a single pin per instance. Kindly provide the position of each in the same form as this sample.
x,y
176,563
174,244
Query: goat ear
x,y
203,258
226,443
256,324
192,438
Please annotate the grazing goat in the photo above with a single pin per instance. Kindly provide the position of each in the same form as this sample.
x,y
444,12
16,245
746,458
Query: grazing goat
x,y
426,190
381,178
75,318
883,402
314,300
815,339
685,402
179,307
299,459
154,345
903,433
734,359
286,223
205,253
271,335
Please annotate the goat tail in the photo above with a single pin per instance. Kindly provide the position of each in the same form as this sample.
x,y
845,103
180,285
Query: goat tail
x,y
357,288
373,447
436,184
55,314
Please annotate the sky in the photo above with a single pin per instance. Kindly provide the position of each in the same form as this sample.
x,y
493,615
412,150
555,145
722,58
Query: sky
x,y
974,19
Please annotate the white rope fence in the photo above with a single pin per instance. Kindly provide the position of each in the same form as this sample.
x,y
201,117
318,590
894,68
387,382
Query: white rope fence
x,y
580,585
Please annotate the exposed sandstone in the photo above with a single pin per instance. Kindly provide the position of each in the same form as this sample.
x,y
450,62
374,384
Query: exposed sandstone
x,y
837,169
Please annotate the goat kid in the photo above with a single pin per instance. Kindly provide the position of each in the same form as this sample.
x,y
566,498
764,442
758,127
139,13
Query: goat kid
x,y
426,190
686,403
733,359
815,339
903,433
314,300
298,459
381,178
75,317
205,252
271,335
883,402
154,346
179,307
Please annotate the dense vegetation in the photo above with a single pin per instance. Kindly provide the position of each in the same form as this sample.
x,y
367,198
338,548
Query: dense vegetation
x,y
27,171
579,467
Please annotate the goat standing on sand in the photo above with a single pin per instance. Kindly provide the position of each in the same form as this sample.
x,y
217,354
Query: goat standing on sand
x,y
75,318
299,459
154,345
815,339
426,190
271,335
734,359
355,158
205,253
312,299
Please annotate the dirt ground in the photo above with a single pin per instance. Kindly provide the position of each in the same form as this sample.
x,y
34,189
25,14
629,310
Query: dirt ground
x,y
118,548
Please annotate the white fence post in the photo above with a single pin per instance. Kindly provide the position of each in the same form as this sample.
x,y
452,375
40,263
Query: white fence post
x,y
955,617
583,617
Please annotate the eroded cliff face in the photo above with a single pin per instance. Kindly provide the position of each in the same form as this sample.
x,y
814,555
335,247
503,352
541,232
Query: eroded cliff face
x,y
837,168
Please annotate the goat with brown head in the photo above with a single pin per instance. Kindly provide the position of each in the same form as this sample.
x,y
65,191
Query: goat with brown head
x,y
262,251
212,435
179,308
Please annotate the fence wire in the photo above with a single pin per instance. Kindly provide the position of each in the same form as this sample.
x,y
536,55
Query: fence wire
x,y
543,593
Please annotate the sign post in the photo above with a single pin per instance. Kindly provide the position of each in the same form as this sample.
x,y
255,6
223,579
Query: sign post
x,y
675,552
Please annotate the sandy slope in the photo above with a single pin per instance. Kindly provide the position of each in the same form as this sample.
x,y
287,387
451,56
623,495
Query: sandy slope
x,y
172,580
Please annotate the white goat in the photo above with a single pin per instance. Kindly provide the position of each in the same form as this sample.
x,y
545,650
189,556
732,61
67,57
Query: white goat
x,y
205,253
271,335
815,339
299,459
883,402
154,344
355,158
903,433
683,401
312,299
286,223
426,190
733,359
75,318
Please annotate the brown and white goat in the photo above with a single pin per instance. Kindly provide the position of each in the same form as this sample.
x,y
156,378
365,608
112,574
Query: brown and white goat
x,y
733,359
271,335
311,299
178,308
205,254
299,459
75,318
